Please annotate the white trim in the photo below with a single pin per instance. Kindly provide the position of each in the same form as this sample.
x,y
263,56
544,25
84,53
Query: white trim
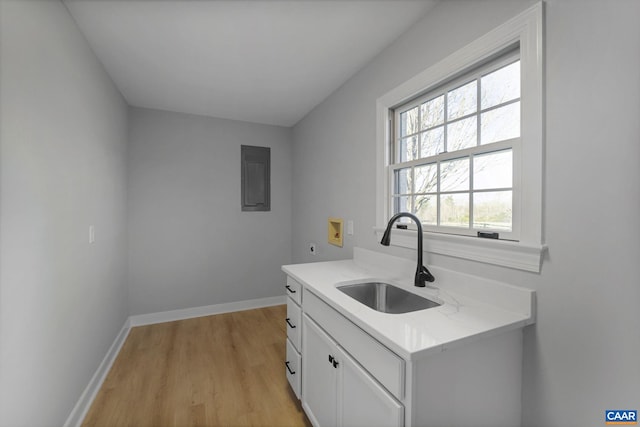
x,y
76,417
489,251
207,310
525,29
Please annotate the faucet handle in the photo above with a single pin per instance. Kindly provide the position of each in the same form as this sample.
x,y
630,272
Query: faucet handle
x,y
425,274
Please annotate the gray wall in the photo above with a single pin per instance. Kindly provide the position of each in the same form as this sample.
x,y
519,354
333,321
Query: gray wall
x,y
334,150
189,243
62,147
63,133
581,357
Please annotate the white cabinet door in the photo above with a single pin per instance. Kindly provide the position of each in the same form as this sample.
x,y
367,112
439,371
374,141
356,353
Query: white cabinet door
x,y
364,402
319,376
337,391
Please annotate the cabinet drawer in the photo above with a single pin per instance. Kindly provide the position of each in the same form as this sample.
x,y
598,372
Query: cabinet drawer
x,y
294,290
292,368
384,365
294,323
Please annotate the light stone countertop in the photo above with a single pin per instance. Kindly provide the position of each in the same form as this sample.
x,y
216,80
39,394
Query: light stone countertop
x,y
472,307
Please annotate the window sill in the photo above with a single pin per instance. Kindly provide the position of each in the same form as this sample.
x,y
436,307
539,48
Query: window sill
x,y
504,253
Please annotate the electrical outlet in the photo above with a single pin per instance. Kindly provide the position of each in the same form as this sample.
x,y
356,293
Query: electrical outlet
x,y
312,249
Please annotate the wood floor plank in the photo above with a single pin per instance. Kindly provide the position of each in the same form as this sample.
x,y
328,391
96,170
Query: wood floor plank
x,y
221,370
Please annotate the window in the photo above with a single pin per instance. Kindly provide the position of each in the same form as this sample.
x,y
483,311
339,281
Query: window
x,y
453,152
461,146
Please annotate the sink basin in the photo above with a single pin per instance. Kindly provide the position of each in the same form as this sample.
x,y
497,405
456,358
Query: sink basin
x,y
386,298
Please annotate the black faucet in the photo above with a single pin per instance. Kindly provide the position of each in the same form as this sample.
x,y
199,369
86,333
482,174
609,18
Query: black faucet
x,y
422,273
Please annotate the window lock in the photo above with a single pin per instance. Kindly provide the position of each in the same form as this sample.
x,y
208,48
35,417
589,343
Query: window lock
x,y
486,235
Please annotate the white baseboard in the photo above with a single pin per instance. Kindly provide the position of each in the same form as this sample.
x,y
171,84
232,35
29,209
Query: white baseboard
x,y
86,399
208,310
79,411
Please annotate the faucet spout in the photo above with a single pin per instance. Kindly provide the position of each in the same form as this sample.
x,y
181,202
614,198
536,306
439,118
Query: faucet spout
x,y
422,273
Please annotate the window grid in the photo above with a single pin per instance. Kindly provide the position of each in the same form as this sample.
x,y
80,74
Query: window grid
x,y
419,129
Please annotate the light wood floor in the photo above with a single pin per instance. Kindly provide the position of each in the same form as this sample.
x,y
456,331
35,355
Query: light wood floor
x,y
222,370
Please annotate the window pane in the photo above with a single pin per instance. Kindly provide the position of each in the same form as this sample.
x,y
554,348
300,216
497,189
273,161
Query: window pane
x,y
500,86
500,124
426,178
426,208
401,204
493,170
492,210
409,148
402,181
454,210
454,175
432,112
462,101
432,142
409,122
462,134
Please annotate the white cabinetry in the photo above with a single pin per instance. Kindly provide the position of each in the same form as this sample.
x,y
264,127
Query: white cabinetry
x,y
293,364
459,364
337,391
346,377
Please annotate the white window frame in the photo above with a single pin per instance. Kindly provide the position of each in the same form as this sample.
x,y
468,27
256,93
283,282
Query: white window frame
x,y
469,153
526,32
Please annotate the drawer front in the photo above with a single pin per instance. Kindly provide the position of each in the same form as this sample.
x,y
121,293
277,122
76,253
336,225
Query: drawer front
x,y
384,365
294,290
292,368
294,323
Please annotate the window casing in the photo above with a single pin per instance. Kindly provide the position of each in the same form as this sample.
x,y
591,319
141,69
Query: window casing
x,y
453,152
524,35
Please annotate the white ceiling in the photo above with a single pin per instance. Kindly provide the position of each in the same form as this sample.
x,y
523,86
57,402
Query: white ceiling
x,y
259,61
